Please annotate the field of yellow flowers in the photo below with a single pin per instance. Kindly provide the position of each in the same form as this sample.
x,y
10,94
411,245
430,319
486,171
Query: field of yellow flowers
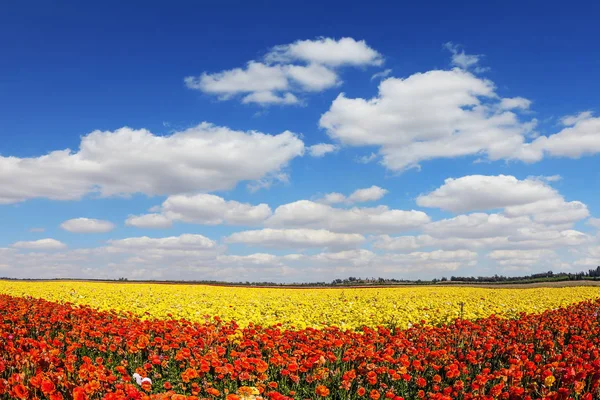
x,y
347,308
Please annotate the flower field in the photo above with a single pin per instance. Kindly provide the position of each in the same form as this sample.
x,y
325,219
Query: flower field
x,y
303,308
52,348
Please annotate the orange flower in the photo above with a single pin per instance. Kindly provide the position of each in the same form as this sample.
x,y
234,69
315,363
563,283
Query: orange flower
x,y
261,366
246,391
361,391
374,395
21,391
322,391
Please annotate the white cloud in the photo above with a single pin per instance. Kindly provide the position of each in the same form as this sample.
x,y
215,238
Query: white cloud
x,y
551,211
366,159
546,178
482,192
364,262
256,77
439,260
146,262
308,214
296,238
448,114
405,243
428,115
381,75
300,67
87,225
333,198
481,231
205,209
313,77
41,244
268,180
589,256
149,221
571,120
521,254
476,226
580,137
319,150
37,230
270,98
127,161
462,60
595,222
515,102
513,260
327,51
182,242
517,198
372,193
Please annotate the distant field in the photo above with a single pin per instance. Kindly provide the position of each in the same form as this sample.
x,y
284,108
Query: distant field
x,y
345,307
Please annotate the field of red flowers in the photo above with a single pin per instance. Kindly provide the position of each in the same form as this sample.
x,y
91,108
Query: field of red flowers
x,y
60,351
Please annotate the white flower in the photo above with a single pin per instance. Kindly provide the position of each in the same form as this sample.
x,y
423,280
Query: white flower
x,y
139,380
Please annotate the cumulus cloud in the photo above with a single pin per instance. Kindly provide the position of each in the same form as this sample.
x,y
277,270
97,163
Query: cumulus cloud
x,y
580,137
486,231
448,114
369,194
333,198
309,214
186,245
87,225
41,244
327,51
183,242
296,238
514,103
485,192
405,243
149,221
372,193
517,197
204,209
428,115
300,67
319,150
128,161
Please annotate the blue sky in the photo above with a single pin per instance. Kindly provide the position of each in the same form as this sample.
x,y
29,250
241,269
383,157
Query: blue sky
x,y
175,142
